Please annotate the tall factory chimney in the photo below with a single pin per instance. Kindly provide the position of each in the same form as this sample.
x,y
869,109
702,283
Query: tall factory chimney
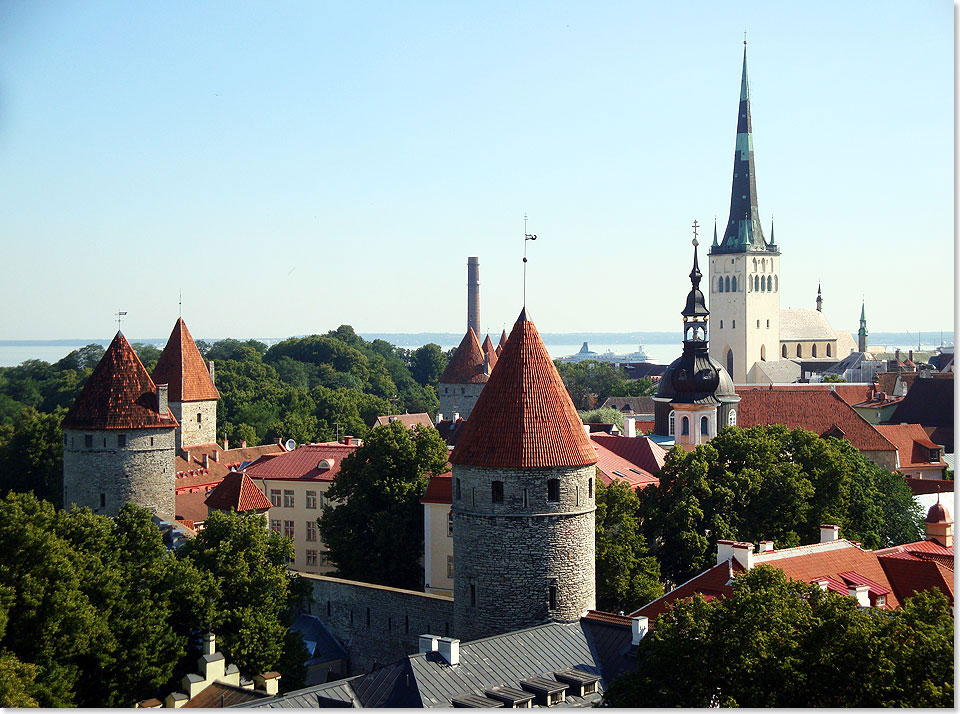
x,y
473,294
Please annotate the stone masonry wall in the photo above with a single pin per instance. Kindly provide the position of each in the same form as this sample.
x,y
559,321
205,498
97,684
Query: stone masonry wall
x,y
192,432
140,472
376,624
511,552
458,398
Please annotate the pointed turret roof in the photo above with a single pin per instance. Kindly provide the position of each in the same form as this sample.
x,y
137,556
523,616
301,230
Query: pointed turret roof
x,y
467,366
524,417
502,343
118,395
743,231
181,366
239,492
490,352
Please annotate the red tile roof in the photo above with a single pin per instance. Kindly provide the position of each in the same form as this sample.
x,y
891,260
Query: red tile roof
x,y
191,506
712,582
502,343
613,465
118,395
490,352
920,486
467,364
910,575
311,462
608,617
820,411
641,451
439,489
912,444
524,417
191,474
236,491
408,420
181,366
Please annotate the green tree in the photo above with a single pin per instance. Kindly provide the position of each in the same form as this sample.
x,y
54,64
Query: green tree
x,y
603,416
589,383
769,483
255,596
428,364
627,576
82,358
643,387
31,455
834,378
375,531
780,643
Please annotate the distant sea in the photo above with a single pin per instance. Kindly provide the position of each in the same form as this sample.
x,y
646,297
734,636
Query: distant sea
x,y
660,347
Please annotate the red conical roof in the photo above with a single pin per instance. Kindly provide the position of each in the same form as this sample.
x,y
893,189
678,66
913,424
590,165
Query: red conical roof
x,y
524,417
181,366
467,364
237,491
503,342
490,352
118,395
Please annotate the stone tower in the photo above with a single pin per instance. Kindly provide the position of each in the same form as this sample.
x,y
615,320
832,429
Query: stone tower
x,y
464,378
862,332
696,397
523,499
193,397
118,438
473,294
744,267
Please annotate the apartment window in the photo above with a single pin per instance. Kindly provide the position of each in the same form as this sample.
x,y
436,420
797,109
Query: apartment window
x,y
881,600
473,594
275,525
275,496
450,523
311,557
459,495
311,499
311,531
449,566
88,441
672,423
552,596
553,489
287,498
103,500
324,557
288,529
497,492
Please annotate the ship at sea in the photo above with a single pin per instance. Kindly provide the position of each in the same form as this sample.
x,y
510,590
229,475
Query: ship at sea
x,y
586,354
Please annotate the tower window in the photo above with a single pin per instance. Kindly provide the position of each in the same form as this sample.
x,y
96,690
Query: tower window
x,y
459,494
121,440
758,324
734,325
769,284
704,426
151,441
552,596
732,418
88,441
590,488
734,283
813,351
450,523
199,417
768,324
553,489
730,361
497,492
721,324
103,500
473,496
473,595
783,351
685,426
799,351
727,284
525,501
672,423
828,350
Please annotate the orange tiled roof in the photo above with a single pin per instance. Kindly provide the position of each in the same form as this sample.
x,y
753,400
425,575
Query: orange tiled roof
x,y
608,617
640,450
118,395
236,491
613,466
711,583
303,463
524,417
502,343
490,352
181,366
439,489
408,420
192,474
912,444
191,506
820,411
467,364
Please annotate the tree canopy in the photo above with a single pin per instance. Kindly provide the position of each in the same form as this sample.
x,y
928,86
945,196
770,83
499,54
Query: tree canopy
x,y
780,643
589,383
770,483
374,532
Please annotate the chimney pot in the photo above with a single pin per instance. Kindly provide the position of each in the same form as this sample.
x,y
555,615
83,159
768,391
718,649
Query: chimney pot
x,y
743,554
243,444
268,682
829,533
209,643
449,649
629,427
216,456
163,403
724,550
456,417
226,444
439,417
428,643
206,461
766,546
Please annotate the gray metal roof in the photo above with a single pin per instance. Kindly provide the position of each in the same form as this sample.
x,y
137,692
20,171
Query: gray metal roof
x,y
799,324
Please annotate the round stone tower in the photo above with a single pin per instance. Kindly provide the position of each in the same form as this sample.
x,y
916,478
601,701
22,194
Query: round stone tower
x,y
118,438
523,499
463,380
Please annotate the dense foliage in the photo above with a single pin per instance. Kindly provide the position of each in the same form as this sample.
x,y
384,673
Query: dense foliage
x,y
779,643
603,416
375,530
589,383
628,577
770,483
97,612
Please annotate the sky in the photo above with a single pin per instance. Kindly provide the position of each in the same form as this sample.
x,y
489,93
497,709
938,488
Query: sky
x,y
294,166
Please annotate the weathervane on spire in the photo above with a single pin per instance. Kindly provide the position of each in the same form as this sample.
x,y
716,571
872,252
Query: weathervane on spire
x,y
744,38
526,237
120,315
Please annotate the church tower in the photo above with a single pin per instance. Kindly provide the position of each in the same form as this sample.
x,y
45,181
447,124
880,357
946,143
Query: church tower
x,y
118,438
523,499
744,267
193,397
862,332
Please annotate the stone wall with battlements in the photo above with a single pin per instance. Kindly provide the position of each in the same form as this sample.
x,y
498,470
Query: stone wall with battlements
x,y
374,623
104,469
509,554
198,422
458,398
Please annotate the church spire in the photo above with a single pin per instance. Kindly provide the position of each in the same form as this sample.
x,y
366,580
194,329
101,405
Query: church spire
x,y
695,312
862,332
819,299
744,231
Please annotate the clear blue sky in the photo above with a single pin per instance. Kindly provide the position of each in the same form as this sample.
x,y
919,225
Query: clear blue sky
x,y
295,166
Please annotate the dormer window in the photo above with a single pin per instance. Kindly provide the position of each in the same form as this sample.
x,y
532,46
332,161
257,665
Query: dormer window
x,y
935,455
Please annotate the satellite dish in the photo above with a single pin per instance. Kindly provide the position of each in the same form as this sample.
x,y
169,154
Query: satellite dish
x,y
290,445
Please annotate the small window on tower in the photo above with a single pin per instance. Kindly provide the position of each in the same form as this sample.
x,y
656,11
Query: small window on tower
x,y
103,500
721,324
473,595
450,524
734,324
552,596
121,440
525,501
553,489
497,492
459,494
88,441
199,417
590,488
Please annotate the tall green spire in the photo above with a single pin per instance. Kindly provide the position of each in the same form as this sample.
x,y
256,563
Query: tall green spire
x,y
862,332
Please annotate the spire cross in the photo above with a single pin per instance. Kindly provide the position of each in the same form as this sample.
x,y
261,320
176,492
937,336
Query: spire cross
x,y
120,315
695,226
526,237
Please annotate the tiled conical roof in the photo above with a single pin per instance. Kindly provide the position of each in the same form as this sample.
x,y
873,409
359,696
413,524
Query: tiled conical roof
x,y
467,364
490,352
181,366
524,417
118,395
237,491
503,342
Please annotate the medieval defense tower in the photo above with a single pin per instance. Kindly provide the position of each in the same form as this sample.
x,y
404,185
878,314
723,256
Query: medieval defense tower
x,y
193,397
744,267
523,499
118,438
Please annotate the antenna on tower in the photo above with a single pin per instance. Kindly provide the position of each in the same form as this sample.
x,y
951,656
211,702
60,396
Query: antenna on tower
x,y
526,237
181,302
120,315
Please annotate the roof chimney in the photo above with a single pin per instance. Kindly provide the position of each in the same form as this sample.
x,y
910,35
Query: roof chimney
x,y
449,649
162,402
439,417
861,593
456,417
766,546
216,456
640,625
629,427
209,643
724,550
206,461
268,682
243,444
829,533
428,643
743,554
226,444
586,430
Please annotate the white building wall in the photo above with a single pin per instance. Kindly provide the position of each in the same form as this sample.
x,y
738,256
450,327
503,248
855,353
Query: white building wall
x,y
299,514
438,548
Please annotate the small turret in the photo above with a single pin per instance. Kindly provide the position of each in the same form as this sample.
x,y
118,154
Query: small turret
x,y
819,299
862,332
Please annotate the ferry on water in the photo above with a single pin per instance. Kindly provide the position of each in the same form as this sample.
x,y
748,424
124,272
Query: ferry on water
x,y
586,354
